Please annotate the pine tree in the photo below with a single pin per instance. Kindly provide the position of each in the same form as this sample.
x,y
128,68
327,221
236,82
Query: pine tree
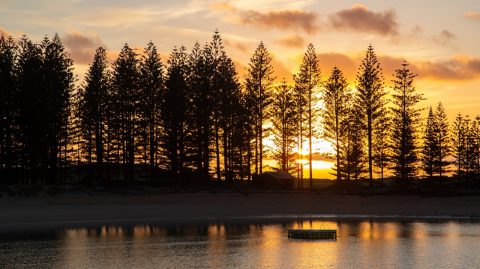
x,y
458,142
214,57
371,99
307,81
284,127
471,147
125,96
381,147
335,98
174,112
258,85
8,107
229,106
58,81
352,148
430,144
405,121
443,140
93,98
151,87
32,118
201,108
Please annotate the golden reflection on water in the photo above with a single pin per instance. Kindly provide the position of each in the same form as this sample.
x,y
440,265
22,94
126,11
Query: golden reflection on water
x,y
359,244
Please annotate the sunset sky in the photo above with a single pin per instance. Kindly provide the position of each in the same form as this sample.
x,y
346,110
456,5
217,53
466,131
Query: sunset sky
x,y
440,39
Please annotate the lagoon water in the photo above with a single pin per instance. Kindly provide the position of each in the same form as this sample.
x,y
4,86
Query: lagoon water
x,y
360,244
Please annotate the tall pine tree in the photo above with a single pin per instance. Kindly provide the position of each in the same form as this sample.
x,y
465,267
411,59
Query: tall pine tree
x,y
307,81
284,127
335,98
371,99
8,107
93,98
404,124
258,82
125,97
151,91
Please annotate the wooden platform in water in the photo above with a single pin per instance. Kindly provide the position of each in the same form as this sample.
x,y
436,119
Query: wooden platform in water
x,y
312,234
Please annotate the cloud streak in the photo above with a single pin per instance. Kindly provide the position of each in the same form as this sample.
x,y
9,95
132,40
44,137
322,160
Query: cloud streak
x,y
473,15
283,19
445,38
293,41
360,18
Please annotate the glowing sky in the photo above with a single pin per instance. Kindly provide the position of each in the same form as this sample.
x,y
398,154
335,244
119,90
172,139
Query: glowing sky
x,y
441,39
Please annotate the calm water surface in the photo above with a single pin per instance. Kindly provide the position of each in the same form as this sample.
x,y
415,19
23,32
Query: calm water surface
x,y
360,244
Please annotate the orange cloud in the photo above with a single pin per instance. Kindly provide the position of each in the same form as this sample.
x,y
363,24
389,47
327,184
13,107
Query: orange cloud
x,y
283,19
237,45
457,68
453,69
81,47
473,15
360,18
294,41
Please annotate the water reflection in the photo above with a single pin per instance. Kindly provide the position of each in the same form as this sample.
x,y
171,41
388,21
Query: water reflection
x,y
244,245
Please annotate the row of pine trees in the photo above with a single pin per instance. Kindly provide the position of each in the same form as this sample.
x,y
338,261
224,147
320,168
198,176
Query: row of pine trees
x,y
192,117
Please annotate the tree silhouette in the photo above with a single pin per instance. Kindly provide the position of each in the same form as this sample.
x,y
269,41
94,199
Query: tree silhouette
x,y
405,121
283,115
258,85
381,148
193,118
125,97
201,108
430,144
443,140
92,105
174,111
352,148
335,98
370,99
458,143
307,80
151,91
8,106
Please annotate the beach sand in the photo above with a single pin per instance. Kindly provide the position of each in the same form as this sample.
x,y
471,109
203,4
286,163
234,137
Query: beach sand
x,y
178,208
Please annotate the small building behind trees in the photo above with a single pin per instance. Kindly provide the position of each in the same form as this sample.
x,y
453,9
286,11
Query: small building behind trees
x,y
275,180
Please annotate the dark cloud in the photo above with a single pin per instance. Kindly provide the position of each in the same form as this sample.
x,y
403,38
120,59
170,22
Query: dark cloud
x,y
473,15
294,41
451,69
81,47
360,18
445,38
291,19
283,19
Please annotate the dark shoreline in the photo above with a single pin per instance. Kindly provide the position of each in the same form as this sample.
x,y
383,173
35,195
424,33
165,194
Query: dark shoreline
x,y
24,213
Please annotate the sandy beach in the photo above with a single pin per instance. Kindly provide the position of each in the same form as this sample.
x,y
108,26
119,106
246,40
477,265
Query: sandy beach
x,y
168,208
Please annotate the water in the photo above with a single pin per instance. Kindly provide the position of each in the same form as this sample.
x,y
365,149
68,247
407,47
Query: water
x,y
360,244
